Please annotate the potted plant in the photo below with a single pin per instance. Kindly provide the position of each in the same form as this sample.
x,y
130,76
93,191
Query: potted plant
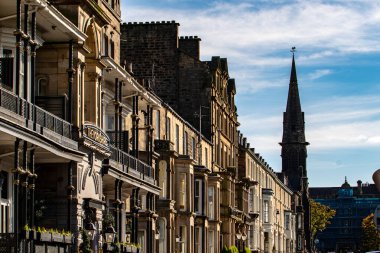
x,y
43,235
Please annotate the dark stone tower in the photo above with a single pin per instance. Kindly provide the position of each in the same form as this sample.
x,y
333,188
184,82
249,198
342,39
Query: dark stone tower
x,y
293,143
294,155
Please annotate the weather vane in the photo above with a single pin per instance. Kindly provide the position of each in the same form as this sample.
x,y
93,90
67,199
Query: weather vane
x,y
293,50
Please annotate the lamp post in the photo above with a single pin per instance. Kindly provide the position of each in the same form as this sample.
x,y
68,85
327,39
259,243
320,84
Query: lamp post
x,y
316,241
90,228
109,234
200,131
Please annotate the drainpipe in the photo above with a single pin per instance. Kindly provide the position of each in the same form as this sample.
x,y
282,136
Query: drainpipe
x,y
70,73
24,219
33,60
116,98
32,191
18,46
70,189
16,184
26,44
120,117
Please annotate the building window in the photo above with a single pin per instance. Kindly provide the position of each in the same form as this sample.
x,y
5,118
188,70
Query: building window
x,y
177,138
198,196
211,235
206,157
158,125
142,199
4,204
112,49
266,211
105,45
162,229
299,221
6,69
250,200
182,191
211,205
198,240
167,129
193,147
185,144
162,178
182,239
141,240
287,221
299,242
251,236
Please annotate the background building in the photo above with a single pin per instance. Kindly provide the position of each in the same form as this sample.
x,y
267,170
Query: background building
x,y
352,204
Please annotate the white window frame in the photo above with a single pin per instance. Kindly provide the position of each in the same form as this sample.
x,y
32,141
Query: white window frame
x,y
182,191
198,196
211,202
266,211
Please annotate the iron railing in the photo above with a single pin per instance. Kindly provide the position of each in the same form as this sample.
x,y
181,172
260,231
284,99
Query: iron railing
x,y
29,111
119,140
132,165
7,242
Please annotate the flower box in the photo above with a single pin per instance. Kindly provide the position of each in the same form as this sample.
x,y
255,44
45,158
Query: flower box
x,y
68,239
29,234
57,237
44,236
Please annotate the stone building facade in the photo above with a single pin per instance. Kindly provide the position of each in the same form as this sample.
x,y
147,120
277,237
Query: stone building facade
x,y
102,130
270,222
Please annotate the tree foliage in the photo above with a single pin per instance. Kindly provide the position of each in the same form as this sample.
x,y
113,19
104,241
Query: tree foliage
x,y
370,235
85,246
320,217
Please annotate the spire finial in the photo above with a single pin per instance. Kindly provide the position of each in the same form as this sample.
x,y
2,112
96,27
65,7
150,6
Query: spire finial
x,y
293,50
345,179
293,74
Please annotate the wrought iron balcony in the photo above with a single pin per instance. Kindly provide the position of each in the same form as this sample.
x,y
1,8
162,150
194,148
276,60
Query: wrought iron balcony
x,y
7,242
21,112
131,165
120,140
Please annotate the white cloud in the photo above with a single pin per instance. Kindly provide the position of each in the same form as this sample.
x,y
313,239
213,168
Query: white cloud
x,y
255,36
319,73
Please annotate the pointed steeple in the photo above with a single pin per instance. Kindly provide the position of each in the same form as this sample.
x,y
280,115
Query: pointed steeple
x,y
293,74
294,126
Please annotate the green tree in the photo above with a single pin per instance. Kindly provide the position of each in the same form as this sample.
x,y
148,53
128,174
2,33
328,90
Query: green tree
x,y
320,217
85,246
225,249
370,235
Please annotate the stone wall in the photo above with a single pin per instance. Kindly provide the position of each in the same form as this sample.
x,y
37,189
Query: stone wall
x,y
152,50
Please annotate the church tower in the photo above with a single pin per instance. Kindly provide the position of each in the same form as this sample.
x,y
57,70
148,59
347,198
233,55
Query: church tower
x,y
294,143
294,153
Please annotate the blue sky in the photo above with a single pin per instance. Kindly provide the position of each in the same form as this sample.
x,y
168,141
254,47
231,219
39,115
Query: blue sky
x,y
338,66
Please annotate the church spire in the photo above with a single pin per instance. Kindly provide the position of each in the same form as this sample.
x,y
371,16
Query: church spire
x,y
294,143
294,126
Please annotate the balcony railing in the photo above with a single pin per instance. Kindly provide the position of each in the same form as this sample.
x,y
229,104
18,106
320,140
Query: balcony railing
x,y
121,140
7,242
131,165
28,111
